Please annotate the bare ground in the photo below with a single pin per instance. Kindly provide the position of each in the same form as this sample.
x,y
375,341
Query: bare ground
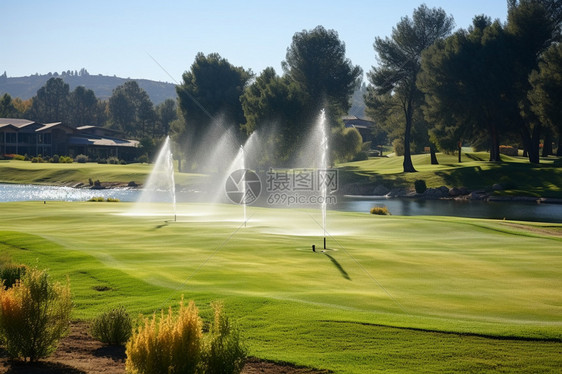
x,y
79,353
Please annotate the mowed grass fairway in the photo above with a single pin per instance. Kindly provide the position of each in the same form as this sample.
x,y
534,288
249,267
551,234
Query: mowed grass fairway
x,y
396,294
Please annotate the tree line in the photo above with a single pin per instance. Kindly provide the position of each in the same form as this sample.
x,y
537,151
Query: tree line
x,y
490,84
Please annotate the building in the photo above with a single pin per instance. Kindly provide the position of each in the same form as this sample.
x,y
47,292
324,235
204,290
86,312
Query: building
x,y
365,127
22,136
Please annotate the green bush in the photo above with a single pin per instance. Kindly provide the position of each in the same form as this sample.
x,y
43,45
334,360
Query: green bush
x,y
143,159
55,159
66,160
420,186
361,156
11,273
96,199
18,158
113,327
113,160
398,146
34,315
81,159
223,351
112,200
380,210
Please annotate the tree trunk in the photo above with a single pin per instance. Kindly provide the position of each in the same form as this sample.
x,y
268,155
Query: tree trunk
x,y
534,150
433,155
460,149
407,164
495,145
559,150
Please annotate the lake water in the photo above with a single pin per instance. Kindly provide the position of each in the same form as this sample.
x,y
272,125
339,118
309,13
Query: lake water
x,y
406,207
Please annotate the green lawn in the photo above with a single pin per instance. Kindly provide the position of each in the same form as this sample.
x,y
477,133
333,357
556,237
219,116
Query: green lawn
x,y
474,172
25,172
397,294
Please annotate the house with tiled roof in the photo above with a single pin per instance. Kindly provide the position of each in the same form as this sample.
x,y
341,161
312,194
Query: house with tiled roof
x,y
22,136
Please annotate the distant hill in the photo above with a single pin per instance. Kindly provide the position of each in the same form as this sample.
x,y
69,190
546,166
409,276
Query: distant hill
x,y
102,85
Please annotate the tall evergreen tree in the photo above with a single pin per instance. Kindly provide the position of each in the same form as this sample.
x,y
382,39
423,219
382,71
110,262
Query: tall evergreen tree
x,y
83,107
51,102
210,92
546,95
400,62
316,61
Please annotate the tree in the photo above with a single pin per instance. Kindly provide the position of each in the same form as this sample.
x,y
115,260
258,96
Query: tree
x,y
533,25
316,61
274,106
400,62
131,110
546,95
315,65
166,113
51,102
83,107
467,83
209,91
7,108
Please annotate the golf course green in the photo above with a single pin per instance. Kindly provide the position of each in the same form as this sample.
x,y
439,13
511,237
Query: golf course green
x,y
395,294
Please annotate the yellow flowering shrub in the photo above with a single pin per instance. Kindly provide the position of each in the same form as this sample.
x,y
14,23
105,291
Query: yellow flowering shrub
x,y
34,315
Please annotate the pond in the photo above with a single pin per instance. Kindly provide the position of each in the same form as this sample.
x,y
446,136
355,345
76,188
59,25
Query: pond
x,y
522,211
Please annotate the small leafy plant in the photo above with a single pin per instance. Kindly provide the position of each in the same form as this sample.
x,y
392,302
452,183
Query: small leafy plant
x,y
113,327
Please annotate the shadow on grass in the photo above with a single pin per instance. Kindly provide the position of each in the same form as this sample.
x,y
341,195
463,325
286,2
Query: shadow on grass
x,y
339,267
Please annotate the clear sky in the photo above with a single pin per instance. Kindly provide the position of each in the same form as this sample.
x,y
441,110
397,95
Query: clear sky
x,y
117,37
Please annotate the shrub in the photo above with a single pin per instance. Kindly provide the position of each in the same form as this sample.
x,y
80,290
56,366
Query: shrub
x,y
11,273
113,327
112,200
102,161
398,146
171,345
66,160
82,159
96,199
143,159
34,315
508,150
18,157
37,160
361,156
380,210
113,160
420,186
55,159
223,351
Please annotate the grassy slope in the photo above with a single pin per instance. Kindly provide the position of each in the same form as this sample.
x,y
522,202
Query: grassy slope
x,y
25,172
474,172
362,308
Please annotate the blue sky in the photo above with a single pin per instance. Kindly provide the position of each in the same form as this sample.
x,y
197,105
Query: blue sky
x,y
118,37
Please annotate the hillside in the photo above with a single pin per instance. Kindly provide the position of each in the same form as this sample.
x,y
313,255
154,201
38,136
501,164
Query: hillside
x,y
102,85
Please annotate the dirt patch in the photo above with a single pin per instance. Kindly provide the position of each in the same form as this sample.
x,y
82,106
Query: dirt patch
x,y
79,353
